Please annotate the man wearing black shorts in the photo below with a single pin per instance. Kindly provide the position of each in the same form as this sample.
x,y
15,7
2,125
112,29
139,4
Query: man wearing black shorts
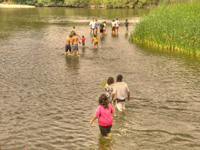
x,y
101,29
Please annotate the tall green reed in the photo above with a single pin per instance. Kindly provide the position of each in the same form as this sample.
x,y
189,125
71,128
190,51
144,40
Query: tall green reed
x,y
175,27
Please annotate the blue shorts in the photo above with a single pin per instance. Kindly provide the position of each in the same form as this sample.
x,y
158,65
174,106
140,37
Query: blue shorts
x,y
75,46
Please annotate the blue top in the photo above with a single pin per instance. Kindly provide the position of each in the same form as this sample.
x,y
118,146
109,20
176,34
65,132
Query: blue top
x,y
96,25
126,23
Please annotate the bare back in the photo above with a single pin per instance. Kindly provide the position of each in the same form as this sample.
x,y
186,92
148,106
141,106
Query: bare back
x,y
75,40
68,40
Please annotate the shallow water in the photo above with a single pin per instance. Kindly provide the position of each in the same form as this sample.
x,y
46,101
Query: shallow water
x,y
47,99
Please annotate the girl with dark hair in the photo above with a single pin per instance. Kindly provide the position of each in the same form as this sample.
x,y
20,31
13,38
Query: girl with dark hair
x,y
109,87
103,113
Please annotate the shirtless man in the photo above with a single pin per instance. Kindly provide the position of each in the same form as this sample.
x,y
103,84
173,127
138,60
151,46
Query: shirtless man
x,y
68,46
75,41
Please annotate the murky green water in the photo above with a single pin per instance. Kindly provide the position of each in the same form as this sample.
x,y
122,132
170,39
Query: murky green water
x,y
47,99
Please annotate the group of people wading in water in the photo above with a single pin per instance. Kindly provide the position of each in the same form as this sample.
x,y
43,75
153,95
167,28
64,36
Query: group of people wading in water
x,y
74,39
116,93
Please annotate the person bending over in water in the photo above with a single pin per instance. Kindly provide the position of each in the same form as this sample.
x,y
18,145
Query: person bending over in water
x,y
68,45
103,113
95,40
75,41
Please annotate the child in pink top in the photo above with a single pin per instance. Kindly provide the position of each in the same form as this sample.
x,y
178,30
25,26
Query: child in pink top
x,y
103,113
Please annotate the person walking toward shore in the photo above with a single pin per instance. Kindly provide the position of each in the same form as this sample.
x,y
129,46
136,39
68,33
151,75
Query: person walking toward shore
x,y
113,27
104,29
95,27
117,25
68,45
83,41
120,92
126,25
95,40
75,41
103,113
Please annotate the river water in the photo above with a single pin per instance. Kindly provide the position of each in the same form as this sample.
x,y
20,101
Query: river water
x,y
47,99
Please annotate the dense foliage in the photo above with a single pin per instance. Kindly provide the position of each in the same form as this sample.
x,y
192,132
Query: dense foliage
x,y
86,3
171,27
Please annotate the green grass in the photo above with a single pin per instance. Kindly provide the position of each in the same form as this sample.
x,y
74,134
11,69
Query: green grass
x,y
174,27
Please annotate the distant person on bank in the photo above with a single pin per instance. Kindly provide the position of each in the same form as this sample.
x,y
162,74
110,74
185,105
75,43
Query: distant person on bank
x,y
120,93
103,113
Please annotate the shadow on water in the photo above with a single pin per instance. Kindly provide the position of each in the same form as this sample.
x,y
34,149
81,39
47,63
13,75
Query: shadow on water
x,y
105,143
72,62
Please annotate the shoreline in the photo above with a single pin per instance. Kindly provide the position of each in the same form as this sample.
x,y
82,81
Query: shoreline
x,y
15,6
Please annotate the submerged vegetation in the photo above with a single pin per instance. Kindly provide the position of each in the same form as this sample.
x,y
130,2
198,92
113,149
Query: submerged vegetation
x,y
172,27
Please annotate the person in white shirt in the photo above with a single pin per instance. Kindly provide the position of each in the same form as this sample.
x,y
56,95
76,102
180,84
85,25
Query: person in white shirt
x,y
117,25
90,24
120,92
113,27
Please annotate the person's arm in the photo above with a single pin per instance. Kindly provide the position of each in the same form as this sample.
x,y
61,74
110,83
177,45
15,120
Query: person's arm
x,y
92,41
128,96
113,95
93,119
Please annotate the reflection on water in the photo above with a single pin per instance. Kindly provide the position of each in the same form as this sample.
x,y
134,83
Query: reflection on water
x,y
105,143
72,62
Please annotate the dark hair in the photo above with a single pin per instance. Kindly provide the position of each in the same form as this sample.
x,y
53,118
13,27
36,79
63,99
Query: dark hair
x,y
103,100
119,78
126,19
113,20
117,18
74,27
83,36
70,35
110,80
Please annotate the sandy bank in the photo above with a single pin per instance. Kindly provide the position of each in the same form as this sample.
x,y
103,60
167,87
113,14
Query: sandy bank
x,y
15,6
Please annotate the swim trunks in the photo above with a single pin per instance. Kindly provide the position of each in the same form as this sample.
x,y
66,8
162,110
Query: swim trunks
x,y
75,46
67,47
105,130
113,28
95,43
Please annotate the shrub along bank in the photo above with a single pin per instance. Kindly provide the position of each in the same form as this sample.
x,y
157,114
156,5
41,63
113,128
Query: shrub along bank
x,y
172,27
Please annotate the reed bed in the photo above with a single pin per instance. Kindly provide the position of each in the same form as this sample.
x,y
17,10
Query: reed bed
x,y
172,27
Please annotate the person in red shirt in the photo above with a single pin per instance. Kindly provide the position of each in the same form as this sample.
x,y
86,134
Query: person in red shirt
x,y
83,41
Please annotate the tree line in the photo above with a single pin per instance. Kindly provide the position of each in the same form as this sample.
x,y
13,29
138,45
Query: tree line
x,y
88,3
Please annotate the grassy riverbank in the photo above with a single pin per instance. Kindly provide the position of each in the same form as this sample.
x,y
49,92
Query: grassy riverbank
x,y
171,27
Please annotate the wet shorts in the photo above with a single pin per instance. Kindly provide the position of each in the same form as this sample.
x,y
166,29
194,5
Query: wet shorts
x,y
95,43
83,44
117,28
101,30
75,46
105,130
67,47
113,28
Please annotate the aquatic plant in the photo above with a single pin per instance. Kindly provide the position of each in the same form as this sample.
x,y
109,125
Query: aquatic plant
x,y
173,27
